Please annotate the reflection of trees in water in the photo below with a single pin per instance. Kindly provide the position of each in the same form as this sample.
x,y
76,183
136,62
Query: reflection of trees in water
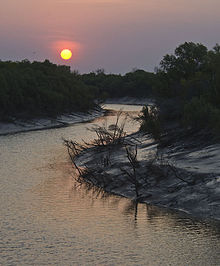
x,y
156,216
92,194
131,208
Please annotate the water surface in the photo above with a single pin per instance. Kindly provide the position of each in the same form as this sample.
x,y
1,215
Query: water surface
x,y
46,219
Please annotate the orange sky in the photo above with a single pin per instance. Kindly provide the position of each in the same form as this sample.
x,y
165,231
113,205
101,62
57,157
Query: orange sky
x,y
117,35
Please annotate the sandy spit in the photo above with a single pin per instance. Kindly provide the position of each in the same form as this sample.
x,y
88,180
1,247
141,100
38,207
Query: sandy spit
x,y
187,189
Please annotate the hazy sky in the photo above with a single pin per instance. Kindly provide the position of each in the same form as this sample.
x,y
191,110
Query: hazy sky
x,y
117,35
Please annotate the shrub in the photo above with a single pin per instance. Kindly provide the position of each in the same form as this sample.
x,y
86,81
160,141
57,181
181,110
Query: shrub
x,y
150,121
199,113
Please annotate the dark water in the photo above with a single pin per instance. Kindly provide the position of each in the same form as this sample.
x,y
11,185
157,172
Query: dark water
x,y
46,219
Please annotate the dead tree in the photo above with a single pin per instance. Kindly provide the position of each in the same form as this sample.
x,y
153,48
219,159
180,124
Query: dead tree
x,y
73,149
112,135
132,175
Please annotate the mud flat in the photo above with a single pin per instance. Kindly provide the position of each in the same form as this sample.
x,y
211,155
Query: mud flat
x,y
186,180
24,125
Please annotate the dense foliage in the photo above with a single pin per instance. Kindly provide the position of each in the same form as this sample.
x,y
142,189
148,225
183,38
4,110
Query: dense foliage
x,y
135,84
42,88
188,87
151,121
36,89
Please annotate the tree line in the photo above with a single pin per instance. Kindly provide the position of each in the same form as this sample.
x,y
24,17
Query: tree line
x,y
43,88
187,89
38,89
186,86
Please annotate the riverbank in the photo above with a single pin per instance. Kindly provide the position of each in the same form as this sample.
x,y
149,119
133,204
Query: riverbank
x,y
186,180
24,125
129,101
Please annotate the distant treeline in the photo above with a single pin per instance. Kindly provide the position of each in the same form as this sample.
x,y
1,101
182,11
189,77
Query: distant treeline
x,y
37,89
186,86
137,83
42,88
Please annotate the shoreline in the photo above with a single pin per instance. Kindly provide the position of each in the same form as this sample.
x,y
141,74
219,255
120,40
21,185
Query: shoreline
x,y
65,120
159,185
129,101
200,200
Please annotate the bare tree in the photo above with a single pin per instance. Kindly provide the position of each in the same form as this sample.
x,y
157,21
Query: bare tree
x,y
112,135
133,162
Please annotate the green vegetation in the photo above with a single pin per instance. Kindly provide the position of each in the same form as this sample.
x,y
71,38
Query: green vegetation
x,y
39,89
151,121
42,88
187,88
137,83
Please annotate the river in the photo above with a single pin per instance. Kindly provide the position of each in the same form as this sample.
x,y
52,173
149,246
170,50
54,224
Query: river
x,y
46,219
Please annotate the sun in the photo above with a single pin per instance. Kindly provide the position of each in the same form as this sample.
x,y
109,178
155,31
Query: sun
x,y
66,54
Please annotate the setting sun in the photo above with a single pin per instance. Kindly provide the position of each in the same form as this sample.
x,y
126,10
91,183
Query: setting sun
x,y
66,54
